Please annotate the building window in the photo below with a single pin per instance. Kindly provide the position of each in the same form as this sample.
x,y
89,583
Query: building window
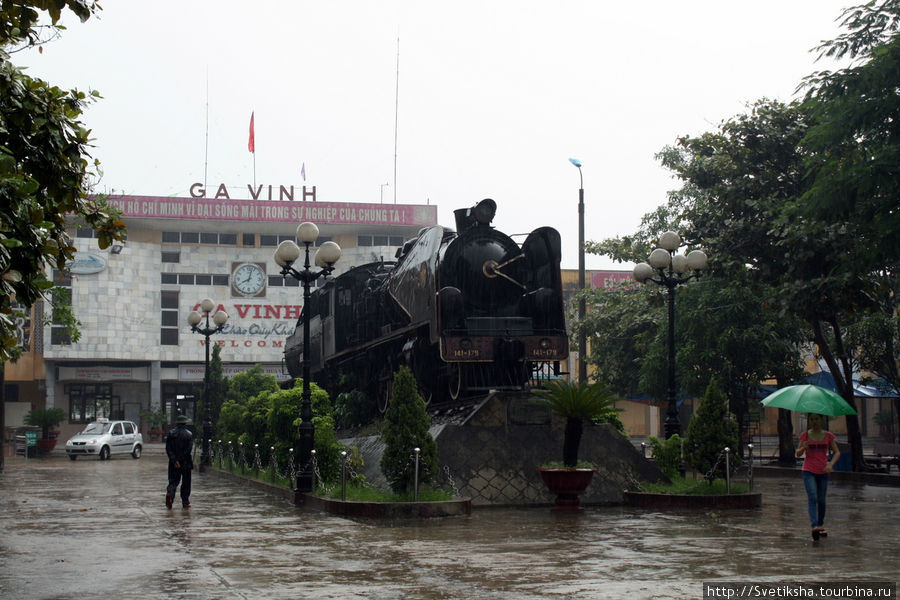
x,y
168,303
249,239
89,401
195,237
61,299
169,278
171,256
379,240
220,279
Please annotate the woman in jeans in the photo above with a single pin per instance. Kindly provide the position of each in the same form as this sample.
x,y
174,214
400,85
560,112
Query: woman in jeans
x,y
816,443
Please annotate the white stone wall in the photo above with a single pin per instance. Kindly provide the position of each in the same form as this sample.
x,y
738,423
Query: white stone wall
x,y
120,313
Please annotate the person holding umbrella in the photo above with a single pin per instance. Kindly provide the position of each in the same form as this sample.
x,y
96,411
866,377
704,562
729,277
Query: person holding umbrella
x,y
815,443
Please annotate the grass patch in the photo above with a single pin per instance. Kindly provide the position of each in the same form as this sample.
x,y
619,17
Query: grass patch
x,y
355,493
692,486
367,494
558,464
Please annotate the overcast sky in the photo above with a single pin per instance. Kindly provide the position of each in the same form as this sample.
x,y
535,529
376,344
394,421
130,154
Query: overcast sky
x,y
494,97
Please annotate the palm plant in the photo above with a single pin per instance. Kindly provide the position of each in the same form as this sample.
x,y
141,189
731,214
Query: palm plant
x,y
577,403
45,418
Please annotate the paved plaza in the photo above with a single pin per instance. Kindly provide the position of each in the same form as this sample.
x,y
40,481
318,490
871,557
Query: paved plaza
x,y
87,529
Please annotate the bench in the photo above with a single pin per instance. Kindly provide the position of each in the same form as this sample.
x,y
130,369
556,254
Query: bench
x,y
884,455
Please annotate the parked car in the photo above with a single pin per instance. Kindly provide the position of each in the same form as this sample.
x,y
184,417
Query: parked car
x,y
104,438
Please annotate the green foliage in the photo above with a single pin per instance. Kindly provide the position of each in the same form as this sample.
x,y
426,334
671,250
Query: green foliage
x,y
45,418
270,418
577,403
218,386
687,485
20,21
247,384
710,431
353,408
156,419
667,454
406,425
44,171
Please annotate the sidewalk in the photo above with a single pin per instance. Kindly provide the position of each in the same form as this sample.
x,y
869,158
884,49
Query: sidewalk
x,y
69,529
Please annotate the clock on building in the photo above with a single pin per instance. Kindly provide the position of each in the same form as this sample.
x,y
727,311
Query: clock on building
x,y
248,279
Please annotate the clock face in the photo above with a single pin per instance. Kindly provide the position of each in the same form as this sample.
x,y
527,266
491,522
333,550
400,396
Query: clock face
x,y
248,279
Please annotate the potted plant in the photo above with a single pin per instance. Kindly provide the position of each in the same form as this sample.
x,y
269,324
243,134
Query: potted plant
x,y
576,403
45,418
156,421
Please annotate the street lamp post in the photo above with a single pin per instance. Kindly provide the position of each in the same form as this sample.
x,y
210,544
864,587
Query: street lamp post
x,y
194,319
669,269
582,342
285,256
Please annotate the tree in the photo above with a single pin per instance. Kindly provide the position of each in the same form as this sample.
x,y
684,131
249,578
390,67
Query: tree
x,y
406,425
739,183
44,172
711,431
855,146
218,386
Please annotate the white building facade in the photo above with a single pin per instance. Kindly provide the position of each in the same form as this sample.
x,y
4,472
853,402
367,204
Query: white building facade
x,y
136,351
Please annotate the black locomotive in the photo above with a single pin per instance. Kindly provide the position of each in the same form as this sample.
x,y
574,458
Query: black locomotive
x,y
467,310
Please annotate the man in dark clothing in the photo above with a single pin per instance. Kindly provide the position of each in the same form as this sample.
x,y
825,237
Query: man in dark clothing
x,y
179,445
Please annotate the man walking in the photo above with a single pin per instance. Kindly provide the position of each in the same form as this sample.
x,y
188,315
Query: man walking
x,y
179,444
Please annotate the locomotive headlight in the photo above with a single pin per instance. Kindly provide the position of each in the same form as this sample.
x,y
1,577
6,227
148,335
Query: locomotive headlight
x,y
545,344
465,344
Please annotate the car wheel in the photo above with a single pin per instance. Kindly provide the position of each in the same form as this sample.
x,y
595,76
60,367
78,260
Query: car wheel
x,y
136,453
72,457
104,453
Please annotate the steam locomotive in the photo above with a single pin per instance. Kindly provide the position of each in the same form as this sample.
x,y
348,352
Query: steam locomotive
x,y
467,311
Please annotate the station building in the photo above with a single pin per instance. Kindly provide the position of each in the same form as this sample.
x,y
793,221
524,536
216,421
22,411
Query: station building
x,y
136,351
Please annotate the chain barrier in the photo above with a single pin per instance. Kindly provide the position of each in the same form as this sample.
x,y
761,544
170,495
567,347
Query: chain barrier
x,y
451,482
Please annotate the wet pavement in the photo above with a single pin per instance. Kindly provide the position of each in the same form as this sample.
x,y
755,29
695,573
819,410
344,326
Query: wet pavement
x,y
91,529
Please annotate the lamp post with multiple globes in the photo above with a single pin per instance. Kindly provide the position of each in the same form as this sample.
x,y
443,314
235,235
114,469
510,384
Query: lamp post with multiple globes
x,y
668,269
194,319
326,256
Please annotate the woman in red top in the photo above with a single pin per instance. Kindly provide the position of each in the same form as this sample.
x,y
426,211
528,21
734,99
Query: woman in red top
x,y
816,443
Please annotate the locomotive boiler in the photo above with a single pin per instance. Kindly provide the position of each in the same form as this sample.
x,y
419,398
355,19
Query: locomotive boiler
x,y
467,311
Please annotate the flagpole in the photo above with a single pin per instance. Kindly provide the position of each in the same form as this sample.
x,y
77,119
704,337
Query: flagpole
x,y
396,114
206,152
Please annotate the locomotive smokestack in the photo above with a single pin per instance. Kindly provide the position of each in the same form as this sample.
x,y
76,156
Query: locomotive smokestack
x,y
482,213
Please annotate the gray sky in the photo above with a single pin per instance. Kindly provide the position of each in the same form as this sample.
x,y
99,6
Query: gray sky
x,y
494,97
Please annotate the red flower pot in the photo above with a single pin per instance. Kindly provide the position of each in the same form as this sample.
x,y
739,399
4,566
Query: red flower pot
x,y
568,485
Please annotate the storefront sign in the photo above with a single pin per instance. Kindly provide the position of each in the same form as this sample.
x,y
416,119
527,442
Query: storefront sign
x,y
196,372
87,263
155,207
102,373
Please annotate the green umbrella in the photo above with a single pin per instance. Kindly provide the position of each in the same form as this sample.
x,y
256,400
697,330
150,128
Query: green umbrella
x,y
809,399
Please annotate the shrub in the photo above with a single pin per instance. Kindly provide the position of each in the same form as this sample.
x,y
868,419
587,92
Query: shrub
x,y
45,418
667,454
406,426
711,430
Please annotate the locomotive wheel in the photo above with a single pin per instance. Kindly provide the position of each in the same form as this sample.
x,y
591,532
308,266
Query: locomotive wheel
x,y
454,381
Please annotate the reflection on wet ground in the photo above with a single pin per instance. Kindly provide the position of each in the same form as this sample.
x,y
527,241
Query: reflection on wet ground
x,y
71,530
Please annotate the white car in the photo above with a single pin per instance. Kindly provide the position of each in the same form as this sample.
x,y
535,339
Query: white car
x,y
104,438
